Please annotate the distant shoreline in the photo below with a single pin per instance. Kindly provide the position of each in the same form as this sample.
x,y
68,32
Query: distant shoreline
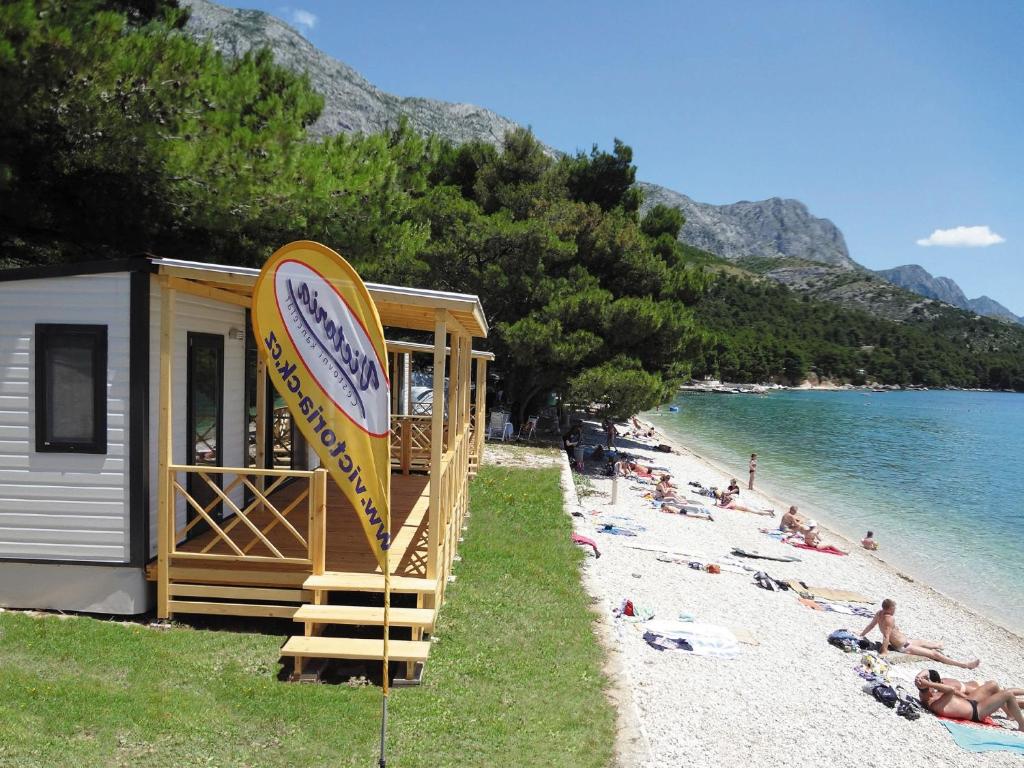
x,y
729,388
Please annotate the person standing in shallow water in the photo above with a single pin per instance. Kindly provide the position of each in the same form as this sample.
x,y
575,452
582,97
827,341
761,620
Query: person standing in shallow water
x,y
753,470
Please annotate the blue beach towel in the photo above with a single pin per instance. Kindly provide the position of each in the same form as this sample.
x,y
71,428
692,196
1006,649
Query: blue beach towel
x,y
975,739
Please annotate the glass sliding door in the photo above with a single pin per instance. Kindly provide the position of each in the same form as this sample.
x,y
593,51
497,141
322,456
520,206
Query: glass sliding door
x,y
205,413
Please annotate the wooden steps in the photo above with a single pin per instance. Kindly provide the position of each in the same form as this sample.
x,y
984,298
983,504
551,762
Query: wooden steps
x,y
361,649
421,618
336,581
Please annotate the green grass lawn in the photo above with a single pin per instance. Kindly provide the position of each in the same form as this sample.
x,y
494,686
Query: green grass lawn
x,y
515,679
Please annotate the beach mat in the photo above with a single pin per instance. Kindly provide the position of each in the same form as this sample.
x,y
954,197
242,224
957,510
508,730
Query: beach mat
x,y
744,636
758,556
836,595
985,739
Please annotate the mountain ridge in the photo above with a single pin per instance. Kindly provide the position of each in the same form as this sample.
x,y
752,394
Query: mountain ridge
x,y
777,238
915,278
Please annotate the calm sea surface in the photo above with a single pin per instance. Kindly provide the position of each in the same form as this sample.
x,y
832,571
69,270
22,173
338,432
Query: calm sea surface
x,y
938,476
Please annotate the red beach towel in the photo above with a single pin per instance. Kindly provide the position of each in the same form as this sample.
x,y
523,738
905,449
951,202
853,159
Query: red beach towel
x,y
829,550
988,722
577,539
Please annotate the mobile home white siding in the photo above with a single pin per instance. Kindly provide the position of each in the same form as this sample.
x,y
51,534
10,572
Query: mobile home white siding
x,y
62,506
197,315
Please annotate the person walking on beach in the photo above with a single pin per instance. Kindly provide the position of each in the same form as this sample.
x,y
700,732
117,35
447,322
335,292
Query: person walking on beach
x,y
893,638
753,470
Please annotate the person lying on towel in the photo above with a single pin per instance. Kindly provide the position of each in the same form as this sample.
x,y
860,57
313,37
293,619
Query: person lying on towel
x,y
974,690
813,539
945,701
893,638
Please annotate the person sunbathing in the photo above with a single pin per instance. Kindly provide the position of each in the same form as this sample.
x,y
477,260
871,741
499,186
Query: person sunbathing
x,y
946,701
893,638
868,542
974,690
727,502
732,491
665,490
791,522
627,467
813,539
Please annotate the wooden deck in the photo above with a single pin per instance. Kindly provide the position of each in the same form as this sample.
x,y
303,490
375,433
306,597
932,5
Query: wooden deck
x,y
346,546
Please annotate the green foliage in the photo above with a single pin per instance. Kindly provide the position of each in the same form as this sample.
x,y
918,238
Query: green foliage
x,y
569,279
763,331
120,135
621,386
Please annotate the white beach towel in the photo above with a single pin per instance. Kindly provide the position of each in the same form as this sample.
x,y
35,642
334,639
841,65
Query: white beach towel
x,y
705,639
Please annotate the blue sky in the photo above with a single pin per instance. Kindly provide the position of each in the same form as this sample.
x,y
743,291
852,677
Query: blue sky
x,y
891,119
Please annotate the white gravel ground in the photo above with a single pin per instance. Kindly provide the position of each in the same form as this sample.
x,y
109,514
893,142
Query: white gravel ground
x,y
792,699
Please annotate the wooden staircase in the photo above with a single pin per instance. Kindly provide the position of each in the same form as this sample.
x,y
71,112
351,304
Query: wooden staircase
x,y
320,614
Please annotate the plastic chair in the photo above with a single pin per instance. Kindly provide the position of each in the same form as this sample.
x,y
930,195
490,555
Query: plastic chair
x,y
496,425
528,429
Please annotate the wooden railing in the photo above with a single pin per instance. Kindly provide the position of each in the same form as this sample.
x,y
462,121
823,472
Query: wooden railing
x,y
410,443
454,487
241,532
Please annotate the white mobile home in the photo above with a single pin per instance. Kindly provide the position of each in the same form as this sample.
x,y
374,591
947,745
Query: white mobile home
x,y
131,389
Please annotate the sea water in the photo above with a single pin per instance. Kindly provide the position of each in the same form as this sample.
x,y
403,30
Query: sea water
x,y
938,476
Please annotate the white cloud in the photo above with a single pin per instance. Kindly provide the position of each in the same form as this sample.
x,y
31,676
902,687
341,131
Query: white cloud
x,y
963,237
301,18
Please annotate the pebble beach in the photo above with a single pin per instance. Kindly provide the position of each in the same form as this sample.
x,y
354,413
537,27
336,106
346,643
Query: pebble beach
x,y
785,696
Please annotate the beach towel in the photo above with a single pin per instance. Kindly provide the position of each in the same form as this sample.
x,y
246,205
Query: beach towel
x,y
825,593
986,722
848,610
615,530
829,550
577,539
758,556
705,639
985,739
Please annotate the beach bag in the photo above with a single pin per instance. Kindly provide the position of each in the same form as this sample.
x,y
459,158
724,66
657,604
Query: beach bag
x,y
845,640
885,694
764,581
664,448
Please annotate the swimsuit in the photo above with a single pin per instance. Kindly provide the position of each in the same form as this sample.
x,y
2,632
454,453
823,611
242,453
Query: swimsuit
x,y
974,712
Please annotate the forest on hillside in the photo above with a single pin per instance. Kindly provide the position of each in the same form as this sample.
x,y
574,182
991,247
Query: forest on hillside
x,y
121,135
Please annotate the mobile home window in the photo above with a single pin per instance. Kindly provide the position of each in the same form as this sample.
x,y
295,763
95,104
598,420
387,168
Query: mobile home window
x,y
71,388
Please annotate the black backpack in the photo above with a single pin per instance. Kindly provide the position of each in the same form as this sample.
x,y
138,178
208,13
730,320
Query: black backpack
x,y
885,694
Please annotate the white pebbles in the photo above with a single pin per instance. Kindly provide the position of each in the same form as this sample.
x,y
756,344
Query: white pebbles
x,y
792,699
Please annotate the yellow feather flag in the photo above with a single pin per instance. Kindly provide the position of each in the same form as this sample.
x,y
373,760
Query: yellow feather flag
x,y
319,332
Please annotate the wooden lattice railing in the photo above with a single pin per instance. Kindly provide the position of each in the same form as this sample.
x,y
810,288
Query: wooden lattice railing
x,y
410,443
241,530
454,485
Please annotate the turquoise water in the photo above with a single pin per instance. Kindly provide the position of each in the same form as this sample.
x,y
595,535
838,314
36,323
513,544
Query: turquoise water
x,y
938,476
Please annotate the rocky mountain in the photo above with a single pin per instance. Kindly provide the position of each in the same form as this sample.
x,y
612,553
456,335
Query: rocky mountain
x,y
351,103
983,305
774,228
778,239
915,278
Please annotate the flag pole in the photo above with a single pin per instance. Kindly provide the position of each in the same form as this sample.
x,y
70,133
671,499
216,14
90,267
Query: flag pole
x,y
382,762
